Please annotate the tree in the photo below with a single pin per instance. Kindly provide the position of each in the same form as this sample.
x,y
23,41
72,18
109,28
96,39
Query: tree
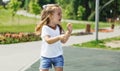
x,y
105,8
14,5
26,4
34,7
80,12
91,5
0,2
68,12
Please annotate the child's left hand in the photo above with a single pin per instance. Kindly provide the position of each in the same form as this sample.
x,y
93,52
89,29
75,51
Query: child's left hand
x,y
69,27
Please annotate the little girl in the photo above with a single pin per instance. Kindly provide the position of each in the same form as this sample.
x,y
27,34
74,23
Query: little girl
x,y
52,37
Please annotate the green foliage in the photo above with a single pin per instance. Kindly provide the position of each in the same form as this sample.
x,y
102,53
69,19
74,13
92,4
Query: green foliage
x,y
71,8
16,39
91,17
80,12
68,12
34,7
43,2
1,7
91,4
14,5
26,2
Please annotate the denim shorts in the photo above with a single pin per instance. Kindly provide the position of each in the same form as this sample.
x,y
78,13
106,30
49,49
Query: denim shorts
x,y
46,63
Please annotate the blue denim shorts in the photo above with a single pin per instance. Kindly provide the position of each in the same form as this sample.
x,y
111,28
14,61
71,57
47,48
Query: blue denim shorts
x,y
46,63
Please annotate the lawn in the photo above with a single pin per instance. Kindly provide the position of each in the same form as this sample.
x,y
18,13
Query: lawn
x,y
12,27
99,44
21,23
17,23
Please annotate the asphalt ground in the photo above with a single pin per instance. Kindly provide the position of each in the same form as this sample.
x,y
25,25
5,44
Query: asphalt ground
x,y
20,56
87,59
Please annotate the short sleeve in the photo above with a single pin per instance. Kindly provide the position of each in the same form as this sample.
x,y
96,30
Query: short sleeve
x,y
45,31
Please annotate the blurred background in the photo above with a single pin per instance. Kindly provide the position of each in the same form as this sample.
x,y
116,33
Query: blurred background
x,y
74,9
21,16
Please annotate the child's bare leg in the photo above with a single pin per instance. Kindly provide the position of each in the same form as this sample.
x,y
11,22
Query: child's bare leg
x,y
44,70
58,69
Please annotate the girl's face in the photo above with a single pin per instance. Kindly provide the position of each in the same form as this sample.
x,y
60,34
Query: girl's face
x,y
57,16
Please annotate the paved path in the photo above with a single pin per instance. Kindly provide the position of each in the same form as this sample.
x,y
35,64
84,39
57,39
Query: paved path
x,y
19,57
85,38
86,59
15,57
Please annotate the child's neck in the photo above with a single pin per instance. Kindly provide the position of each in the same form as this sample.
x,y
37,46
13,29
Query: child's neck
x,y
52,26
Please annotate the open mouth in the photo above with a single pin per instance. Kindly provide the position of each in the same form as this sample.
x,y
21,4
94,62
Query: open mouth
x,y
59,19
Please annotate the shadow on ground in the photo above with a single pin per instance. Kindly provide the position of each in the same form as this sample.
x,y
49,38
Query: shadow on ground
x,y
86,59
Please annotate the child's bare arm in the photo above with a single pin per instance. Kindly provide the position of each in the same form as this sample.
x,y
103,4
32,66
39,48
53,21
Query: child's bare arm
x,y
68,33
50,40
63,38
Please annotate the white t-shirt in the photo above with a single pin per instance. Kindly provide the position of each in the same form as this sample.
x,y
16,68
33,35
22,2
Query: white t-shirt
x,y
50,50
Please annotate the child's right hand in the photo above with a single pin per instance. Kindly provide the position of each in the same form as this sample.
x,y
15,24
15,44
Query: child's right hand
x,y
69,27
66,35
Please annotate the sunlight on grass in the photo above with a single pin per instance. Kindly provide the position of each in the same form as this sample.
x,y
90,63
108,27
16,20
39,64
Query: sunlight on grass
x,y
26,24
17,28
99,44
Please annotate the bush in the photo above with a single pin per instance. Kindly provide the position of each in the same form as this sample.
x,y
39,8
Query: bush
x,y
8,38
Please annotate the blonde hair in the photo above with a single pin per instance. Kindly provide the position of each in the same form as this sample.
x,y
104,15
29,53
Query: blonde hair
x,y
46,13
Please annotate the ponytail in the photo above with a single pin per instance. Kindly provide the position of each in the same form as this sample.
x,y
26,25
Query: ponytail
x,y
39,26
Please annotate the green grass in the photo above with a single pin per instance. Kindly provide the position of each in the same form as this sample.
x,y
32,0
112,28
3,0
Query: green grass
x,y
17,23
17,28
26,24
99,43
7,19
83,25
23,24
75,26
